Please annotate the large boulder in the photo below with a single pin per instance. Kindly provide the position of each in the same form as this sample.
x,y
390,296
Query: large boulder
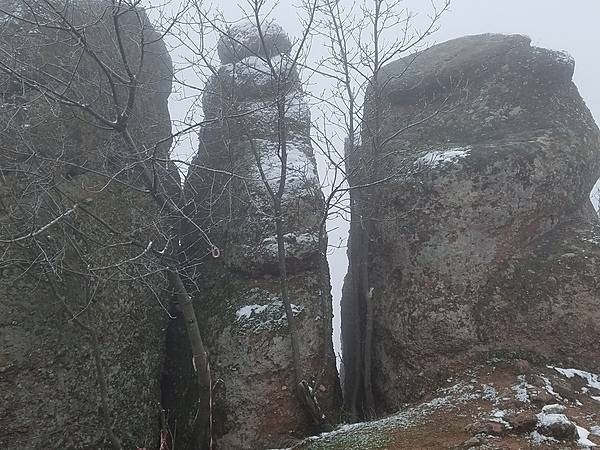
x,y
82,328
239,292
482,237
242,40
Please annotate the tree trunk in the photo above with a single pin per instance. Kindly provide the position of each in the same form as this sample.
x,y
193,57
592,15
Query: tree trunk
x,y
199,360
369,409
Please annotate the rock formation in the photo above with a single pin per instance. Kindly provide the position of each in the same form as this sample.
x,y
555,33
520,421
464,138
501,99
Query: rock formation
x,y
239,292
68,298
504,404
482,240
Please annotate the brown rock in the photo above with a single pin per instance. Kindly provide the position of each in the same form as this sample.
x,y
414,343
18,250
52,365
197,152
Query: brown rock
x,y
522,422
541,397
490,427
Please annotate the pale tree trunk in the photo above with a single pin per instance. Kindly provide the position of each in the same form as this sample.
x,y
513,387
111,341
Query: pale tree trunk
x,y
200,360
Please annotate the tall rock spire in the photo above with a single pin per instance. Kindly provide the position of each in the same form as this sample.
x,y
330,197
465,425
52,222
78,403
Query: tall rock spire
x,y
239,292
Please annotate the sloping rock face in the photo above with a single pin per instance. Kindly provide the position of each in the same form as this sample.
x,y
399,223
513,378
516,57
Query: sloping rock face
x,y
503,404
483,239
71,285
239,292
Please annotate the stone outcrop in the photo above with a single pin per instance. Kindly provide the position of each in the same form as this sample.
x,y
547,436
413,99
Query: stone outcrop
x,y
504,404
482,240
71,285
238,293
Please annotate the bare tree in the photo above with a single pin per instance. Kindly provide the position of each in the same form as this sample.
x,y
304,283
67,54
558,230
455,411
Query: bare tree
x,y
281,75
361,39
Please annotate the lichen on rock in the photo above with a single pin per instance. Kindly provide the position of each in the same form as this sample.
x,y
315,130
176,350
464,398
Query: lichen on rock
x,y
483,237
56,159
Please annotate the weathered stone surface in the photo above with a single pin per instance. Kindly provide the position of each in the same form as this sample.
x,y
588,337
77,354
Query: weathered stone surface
x,y
479,400
238,293
52,157
483,240
488,427
522,422
557,426
243,41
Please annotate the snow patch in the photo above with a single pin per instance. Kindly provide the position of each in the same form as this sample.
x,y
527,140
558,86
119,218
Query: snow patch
x,y
489,392
265,316
296,245
592,379
539,439
247,311
443,157
595,196
498,413
521,390
554,408
549,388
583,438
547,420
564,57
301,170
257,70
498,416
246,31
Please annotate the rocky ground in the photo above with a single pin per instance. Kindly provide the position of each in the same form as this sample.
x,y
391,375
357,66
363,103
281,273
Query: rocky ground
x,y
503,404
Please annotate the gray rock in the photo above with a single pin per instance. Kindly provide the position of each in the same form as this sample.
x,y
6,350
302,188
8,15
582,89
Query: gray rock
x,y
239,292
242,40
488,187
557,426
48,380
554,409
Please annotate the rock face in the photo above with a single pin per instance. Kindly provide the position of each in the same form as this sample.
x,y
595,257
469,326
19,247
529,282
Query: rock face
x,y
239,292
483,239
491,405
71,286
